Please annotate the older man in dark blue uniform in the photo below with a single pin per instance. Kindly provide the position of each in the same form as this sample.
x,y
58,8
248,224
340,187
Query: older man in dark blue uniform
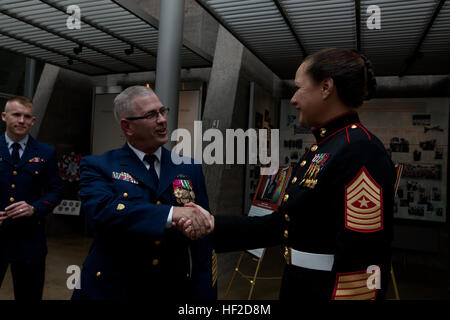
x,y
29,188
130,196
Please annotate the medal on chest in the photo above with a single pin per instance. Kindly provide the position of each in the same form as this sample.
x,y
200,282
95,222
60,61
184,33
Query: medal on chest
x,y
183,191
317,164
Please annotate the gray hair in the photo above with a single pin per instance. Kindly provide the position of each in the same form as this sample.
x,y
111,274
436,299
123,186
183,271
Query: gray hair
x,y
123,103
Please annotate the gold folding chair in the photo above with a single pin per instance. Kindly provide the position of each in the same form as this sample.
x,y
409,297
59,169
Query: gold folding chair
x,y
250,278
398,169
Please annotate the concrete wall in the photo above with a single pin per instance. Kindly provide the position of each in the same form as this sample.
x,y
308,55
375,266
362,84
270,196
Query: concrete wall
x,y
228,99
141,78
199,27
67,126
413,87
402,87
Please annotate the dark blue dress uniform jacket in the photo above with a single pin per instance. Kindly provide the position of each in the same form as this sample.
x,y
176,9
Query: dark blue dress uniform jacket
x,y
339,202
133,255
35,180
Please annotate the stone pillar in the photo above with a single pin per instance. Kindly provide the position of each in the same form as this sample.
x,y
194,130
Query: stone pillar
x,y
42,96
220,103
170,40
30,71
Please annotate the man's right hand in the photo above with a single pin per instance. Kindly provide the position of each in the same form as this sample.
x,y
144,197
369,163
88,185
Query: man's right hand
x,y
199,220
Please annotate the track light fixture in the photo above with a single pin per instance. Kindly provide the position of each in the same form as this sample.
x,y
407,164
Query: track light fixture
x,y
129,50
78,50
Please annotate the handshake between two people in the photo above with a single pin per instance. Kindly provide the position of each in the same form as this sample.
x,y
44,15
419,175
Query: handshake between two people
x,y
193,221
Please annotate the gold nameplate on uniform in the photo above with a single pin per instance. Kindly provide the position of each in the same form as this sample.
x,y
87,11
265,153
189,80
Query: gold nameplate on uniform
x,y
183,191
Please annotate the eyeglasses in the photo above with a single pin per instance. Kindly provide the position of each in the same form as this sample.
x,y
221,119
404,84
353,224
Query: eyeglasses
x,y
152,115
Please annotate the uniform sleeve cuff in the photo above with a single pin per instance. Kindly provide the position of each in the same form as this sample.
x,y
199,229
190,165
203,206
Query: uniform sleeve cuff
x,y
169,219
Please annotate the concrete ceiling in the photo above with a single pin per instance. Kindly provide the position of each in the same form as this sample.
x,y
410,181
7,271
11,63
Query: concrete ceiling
x,y
114,36
118,36
413,39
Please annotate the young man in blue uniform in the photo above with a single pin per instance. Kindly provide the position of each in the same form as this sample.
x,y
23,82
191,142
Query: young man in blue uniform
x,y
29,189
130,196
335,220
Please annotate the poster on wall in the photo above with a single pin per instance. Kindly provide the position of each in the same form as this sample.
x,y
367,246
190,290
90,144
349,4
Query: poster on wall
x,y
268,196
415,133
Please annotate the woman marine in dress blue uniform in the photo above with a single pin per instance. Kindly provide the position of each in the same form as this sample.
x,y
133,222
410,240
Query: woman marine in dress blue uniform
x,y
335,220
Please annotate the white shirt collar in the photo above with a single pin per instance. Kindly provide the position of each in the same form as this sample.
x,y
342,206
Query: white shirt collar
x,y
141,154
23,142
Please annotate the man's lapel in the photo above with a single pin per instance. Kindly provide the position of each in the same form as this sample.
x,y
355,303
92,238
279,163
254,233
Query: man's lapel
x,y
168,171
130,163
29,152
4,152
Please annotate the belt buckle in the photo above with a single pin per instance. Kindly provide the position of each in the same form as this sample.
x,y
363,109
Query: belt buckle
x,y
288,255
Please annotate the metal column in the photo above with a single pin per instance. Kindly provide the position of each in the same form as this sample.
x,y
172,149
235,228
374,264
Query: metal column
x,y
30,71
170,38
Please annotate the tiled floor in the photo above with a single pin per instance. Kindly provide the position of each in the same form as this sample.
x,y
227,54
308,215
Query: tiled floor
x,y
413,282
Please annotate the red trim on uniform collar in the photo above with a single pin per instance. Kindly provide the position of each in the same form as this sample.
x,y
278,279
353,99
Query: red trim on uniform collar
x,y
332,119
334,125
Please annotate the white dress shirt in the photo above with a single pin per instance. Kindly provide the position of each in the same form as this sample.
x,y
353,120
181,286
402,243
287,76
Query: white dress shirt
x,y
157,165
23,144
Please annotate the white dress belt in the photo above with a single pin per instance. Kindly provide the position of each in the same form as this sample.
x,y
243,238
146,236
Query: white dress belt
x,y
314,261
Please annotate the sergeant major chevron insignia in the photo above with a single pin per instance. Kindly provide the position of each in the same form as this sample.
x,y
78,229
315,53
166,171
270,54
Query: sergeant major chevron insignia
x,y
363,204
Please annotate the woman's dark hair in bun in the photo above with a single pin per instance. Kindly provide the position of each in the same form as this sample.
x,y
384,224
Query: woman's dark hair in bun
x,y
352,74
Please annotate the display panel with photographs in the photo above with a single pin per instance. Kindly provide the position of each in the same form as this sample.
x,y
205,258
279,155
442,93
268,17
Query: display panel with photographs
x,y
294,138
415,133
264,115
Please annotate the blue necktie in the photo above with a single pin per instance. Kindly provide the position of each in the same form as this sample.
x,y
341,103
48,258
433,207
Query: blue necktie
x,y
150,159
15,153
